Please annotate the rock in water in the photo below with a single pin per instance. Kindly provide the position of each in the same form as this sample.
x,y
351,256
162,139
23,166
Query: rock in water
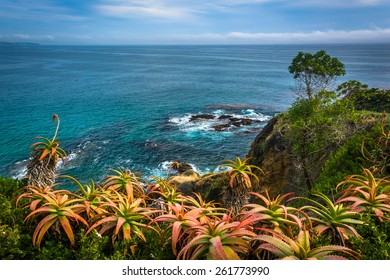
x,y
202,116
181,167
185,182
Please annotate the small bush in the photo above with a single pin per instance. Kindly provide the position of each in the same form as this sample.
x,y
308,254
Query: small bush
x,y
346,160
375,241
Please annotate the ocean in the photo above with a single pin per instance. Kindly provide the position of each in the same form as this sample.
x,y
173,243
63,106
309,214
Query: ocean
x,y
133,106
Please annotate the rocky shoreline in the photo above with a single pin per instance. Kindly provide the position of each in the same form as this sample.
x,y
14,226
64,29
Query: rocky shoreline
x,y
224,122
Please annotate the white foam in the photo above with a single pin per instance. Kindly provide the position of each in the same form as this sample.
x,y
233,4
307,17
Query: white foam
x,y
207,125
181,120
221,168
20,174
218,112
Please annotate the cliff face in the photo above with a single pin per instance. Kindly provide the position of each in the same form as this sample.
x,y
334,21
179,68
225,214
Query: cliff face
x,y
283,172
272,152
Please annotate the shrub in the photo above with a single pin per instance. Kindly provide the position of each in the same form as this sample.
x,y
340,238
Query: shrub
x,y
346,160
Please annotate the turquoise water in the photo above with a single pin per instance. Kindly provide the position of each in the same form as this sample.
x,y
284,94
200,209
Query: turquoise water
x,y
129,106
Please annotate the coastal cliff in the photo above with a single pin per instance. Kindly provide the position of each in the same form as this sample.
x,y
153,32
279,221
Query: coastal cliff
x,y
283,171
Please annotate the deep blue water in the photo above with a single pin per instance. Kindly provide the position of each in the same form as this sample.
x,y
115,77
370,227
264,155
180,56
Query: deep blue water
x,y
129,106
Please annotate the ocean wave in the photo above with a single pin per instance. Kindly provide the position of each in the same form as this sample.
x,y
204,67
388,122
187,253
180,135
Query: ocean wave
x,y
219,120
163,168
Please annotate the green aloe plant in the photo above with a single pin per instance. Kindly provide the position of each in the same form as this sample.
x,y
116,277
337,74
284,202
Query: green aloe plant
x,y
332,218
366,192
298,248
59,210
236,194
217,239
41,170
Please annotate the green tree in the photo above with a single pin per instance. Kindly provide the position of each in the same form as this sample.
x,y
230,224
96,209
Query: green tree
x,y
314,72
315,127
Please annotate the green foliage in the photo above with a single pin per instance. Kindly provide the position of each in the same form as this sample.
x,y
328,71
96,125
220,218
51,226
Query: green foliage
x,y
316,126
156,248
375,241
9,186
315,72
55,250
365,98
345,160
379,153
10,243
91,247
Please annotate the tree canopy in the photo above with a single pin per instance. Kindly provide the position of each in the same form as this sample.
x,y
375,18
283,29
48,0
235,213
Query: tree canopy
x,y
315,72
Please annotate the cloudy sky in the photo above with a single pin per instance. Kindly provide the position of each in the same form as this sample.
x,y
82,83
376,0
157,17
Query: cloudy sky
x,y
194,21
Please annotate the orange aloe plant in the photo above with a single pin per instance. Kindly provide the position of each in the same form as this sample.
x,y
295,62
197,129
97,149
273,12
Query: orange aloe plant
x,y
125,181
123,214
168,194
272,214
46,154
237,194
92,195
217,239
34,195
180,218
366,192
59,210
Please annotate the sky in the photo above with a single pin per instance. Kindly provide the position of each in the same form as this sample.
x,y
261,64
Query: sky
x,y
113,22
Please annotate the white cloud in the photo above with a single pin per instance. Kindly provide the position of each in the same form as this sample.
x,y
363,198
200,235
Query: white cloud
x,y
378,35
338,3
146,8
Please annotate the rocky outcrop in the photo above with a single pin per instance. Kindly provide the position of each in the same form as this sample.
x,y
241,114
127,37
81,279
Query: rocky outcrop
x,y
272,152
185,182
181,167
211,186
283,172
224,122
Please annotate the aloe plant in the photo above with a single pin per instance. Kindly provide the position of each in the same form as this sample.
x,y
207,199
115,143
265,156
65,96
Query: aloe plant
x,y
217,239
123,215
180,218
365,192
34,197
92,195
333,218
125,181
211,208
60,210
169,194
298,248
272,214
41,170
236,194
